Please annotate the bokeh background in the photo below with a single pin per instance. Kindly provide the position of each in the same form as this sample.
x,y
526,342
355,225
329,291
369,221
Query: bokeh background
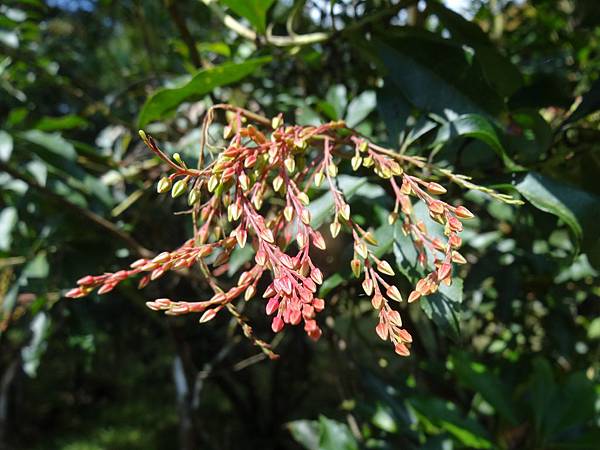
x,y
507,92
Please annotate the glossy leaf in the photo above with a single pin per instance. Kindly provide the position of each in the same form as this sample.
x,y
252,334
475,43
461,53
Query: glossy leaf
x,y
578,209
253,10
204,81
474,126
435,75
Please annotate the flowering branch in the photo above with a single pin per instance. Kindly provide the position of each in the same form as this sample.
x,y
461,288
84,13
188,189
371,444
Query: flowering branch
x,y
265,159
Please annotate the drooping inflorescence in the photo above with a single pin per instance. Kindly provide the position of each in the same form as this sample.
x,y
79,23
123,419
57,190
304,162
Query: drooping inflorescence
x,y
255,193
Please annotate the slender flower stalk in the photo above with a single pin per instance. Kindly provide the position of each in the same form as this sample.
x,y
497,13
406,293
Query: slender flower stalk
x,y
255,193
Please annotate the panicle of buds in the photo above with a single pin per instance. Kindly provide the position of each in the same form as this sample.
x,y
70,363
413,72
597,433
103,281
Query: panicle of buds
x,y
267,162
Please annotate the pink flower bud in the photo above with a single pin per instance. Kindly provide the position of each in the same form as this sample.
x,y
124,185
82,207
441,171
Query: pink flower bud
x,y
74,293
310,326
86,281
404,335
455,224
444,271
367,286
414,296
318,304
382,331
315,335
393,293
260,258
295,317
277,324
208,315
106,288
463,213
316,275
272,306
377,301
401,349
144,282
319,241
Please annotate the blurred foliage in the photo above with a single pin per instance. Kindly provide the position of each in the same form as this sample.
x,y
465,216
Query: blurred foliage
x,y
507,92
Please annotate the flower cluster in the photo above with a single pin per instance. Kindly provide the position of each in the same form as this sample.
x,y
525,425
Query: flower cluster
x,y
255,192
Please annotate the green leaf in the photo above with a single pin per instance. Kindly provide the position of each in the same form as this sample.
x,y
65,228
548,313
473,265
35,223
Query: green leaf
x,y
253,10
533,139
330,284
306,433
476,377
475,126
32,353
61,123
434,412
337,97
443,307
220,48
498,70
324,434
6,145
593,330
204,81
543,396
578,209
384,419
360,107
53,142
395,110
335,435
8,220
434,74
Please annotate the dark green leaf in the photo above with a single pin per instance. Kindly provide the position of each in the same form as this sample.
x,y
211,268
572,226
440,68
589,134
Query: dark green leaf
x,y
395,110
203,82
498,70
578,209
445,416
477,377
61,123
435,75
475,126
